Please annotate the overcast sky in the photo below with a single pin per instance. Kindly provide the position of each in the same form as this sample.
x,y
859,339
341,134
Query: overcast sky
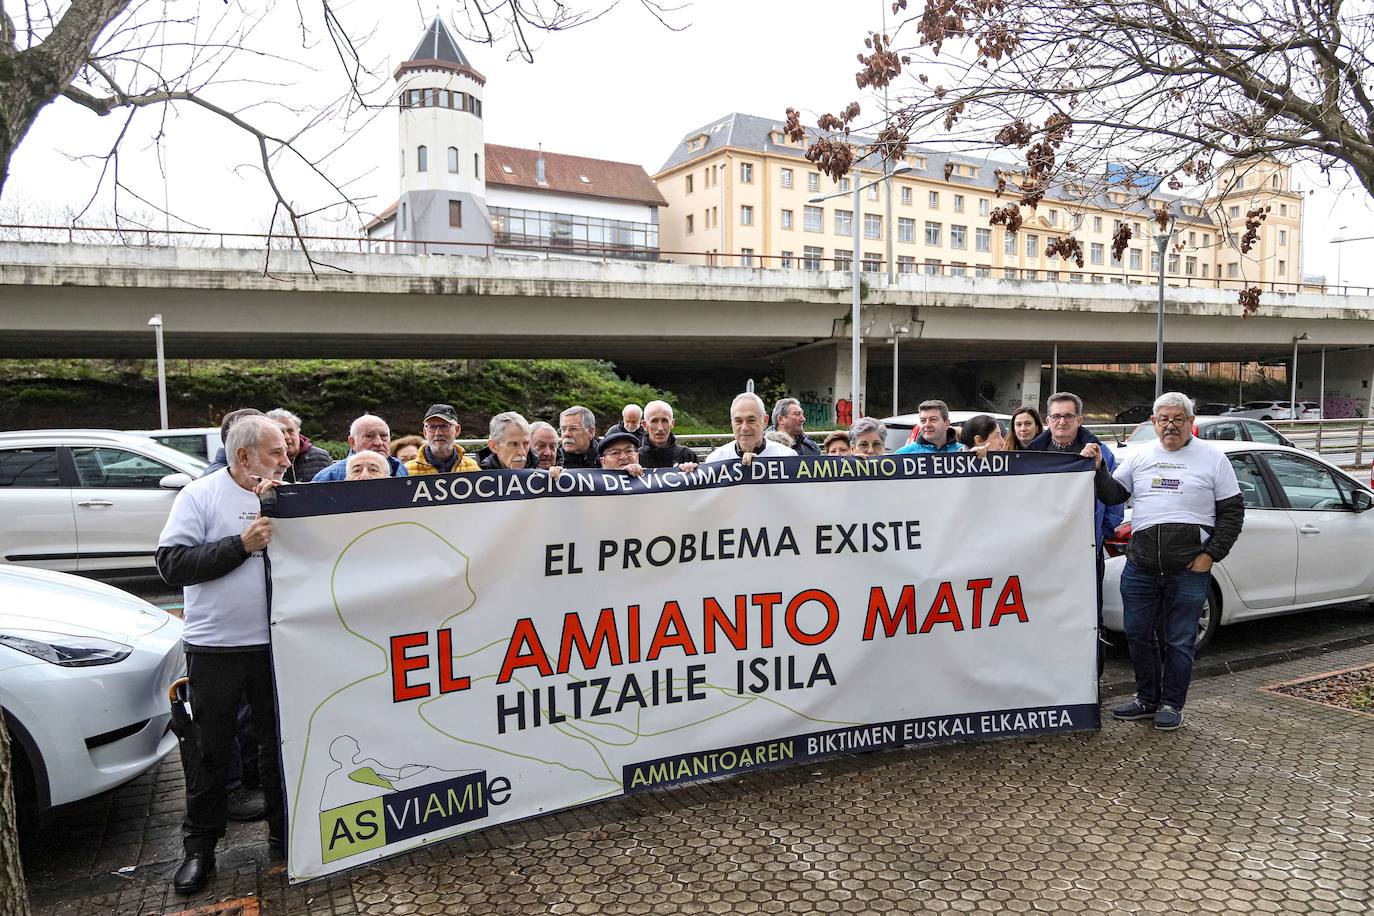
x,y
620,88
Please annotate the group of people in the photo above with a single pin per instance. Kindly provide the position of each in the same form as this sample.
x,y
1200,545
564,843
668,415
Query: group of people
x,y
1187,515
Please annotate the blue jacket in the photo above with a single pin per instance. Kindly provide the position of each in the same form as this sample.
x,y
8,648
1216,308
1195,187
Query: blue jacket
x,y
339,470
1106,517
921,445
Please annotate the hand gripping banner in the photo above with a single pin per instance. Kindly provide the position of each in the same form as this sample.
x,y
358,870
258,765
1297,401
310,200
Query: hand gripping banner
x,y
457,651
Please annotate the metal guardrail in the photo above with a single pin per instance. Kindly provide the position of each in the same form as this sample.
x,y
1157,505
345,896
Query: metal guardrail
x,y
1347,443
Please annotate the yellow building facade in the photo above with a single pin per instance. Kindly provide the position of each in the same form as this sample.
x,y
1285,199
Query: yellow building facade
x,y
741,194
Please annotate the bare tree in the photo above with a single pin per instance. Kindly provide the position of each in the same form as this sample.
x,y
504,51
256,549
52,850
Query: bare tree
x,y
1085,92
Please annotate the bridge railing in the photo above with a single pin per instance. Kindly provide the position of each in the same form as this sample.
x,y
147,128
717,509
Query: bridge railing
x,y
1347,443
873,265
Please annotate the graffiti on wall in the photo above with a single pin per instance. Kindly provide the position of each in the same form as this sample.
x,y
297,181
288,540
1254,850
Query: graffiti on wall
x,y
1341,408
844,412
818,412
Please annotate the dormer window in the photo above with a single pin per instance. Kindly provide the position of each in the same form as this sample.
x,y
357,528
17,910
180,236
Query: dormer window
x,y
696,143
584,179
507,169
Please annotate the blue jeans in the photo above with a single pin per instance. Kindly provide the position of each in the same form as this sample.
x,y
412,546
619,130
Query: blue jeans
x,y
1169,605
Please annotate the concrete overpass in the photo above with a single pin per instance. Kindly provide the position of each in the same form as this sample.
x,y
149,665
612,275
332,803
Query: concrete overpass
x,y
95,300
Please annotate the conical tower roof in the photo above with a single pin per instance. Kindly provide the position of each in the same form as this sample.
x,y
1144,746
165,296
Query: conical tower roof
x,y
438,49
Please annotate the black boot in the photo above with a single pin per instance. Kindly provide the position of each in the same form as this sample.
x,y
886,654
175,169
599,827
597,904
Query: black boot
x,y
194,873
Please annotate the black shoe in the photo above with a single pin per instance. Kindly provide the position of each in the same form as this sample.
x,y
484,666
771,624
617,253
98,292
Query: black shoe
x,y
194,872
246,805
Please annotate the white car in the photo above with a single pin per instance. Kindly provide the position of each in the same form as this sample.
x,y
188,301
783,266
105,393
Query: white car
x,y
904,428
1224,428
1262,410
199,441
87,501
84,674
1307,541
1309,410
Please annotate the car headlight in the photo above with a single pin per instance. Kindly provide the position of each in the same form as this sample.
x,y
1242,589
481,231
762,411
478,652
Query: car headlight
x,y
64,649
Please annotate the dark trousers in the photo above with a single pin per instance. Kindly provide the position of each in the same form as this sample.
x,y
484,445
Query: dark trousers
x,y
1154,605
218,681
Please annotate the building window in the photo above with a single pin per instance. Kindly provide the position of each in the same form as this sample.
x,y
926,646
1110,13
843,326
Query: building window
x,y
958,236
811,257
983,206
422,159
405,222
1173,263
873,226
1233,212
1206,237
933,200
786,177
1190,266
844,222
1135,258
1032,246
1205,267
746,172
933,267
1283,236
873,191
1154,261
982,272
746,257
958,270
787,219
689,184
1009,244
906,197
873,263
476,169
813,219
906,264
844,184
982,239
932,232
959,205
1283,209
813,181
843,258
575,232
1097,278
691,224
1232,270
906,229
1097,224
1283,268
453,160
1097,252
1052,276
1192,239
1054,217
786,260
1009,273
455,214
746,215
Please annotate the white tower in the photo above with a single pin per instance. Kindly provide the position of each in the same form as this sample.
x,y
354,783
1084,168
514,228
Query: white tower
x,y
442,155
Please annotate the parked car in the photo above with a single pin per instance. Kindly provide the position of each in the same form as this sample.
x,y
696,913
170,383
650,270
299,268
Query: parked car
x,y
1212,409
1309,410
1306,543
88,501
199,442
84,674
1263,410
1135,413
906,427
1221,429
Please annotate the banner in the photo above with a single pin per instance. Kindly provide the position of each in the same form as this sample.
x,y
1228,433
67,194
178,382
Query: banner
x,y
457,651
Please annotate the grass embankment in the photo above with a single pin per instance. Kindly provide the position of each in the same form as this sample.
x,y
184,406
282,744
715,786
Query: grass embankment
x,y
326,394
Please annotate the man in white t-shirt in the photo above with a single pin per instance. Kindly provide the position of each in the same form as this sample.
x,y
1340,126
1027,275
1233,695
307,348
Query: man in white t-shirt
x,y
214,545
748,419
1187,514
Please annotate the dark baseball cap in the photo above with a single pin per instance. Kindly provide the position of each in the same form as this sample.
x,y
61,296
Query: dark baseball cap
x,y
442,410
615,439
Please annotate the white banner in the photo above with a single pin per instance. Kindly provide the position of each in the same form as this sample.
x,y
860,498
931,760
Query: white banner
x,y
459,651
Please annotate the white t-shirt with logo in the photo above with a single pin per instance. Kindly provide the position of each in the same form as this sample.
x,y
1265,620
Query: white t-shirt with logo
x,y
1176,487
771,449
230,611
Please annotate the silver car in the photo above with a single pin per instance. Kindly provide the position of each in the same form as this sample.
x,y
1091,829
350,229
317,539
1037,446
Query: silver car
x,y
87,501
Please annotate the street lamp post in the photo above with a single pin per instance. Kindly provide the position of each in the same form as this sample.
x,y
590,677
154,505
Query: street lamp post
x,y
156,324
855,221
1340,237
1293,382
1162,244
896,364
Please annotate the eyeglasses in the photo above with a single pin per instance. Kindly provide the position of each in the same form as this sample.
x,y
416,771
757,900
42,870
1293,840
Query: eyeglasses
x,y
437,427
571,429
1178,423
1061,417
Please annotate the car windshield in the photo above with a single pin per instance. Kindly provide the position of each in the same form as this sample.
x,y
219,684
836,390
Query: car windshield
x,y
172,456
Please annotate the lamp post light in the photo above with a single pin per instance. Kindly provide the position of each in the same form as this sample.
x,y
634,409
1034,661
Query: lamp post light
x,y
896,363
156,324
1293,382
856,221
1340,238
1162,244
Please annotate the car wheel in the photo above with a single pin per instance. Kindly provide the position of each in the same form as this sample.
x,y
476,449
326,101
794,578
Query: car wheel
x,y
1266,419
1211,617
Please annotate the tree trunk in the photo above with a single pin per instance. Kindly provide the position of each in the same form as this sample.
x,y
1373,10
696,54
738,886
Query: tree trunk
x,y
14,901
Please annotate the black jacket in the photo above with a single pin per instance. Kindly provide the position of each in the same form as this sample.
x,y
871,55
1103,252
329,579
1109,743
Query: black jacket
x,y
487,461
669,456
196,563
587,459
308,463
1168,548
806,446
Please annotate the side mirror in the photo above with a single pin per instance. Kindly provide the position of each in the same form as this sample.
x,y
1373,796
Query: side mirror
x,y
1364,501
174,481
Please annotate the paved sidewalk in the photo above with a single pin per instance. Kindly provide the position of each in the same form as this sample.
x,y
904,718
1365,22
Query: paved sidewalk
x,y
1261,804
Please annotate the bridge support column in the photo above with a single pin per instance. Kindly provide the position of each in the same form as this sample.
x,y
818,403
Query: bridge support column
x,y
820,378
1349,383
1003,387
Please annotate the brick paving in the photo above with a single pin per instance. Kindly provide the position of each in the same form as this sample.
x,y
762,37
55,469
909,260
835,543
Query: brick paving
x,y
1260,804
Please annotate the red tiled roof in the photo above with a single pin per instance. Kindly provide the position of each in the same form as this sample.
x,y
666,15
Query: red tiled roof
x,y
564,174
381,218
